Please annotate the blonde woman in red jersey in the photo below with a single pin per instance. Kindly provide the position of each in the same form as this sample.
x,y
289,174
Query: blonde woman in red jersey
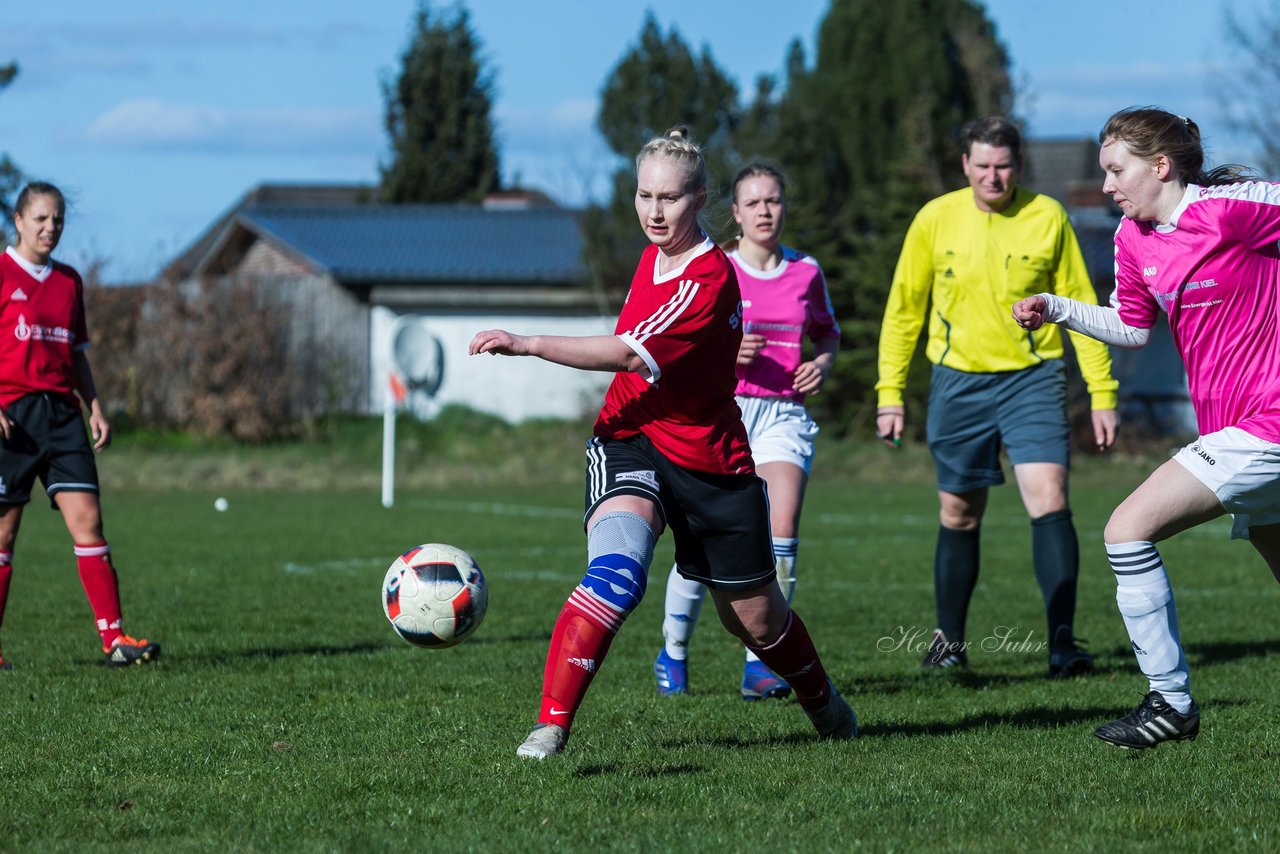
x,y
670,450
44,380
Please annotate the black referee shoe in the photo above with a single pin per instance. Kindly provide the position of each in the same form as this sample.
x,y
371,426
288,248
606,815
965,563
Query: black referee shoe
x,y
1066,657
1151,723
944,653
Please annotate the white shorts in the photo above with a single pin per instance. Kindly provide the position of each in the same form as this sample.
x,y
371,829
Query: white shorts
x,y
1243,471
780,430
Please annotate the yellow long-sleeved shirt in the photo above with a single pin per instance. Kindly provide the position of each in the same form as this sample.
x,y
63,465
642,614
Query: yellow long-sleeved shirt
x,y
974,266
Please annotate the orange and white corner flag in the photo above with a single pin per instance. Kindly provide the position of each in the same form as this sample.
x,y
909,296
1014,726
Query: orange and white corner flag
x,y
398,389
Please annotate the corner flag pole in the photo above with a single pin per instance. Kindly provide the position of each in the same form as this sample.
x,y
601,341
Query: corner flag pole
x,y
396,393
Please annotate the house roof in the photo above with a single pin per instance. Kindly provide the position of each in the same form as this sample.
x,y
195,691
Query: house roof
x,y
518,237
264,194
423,243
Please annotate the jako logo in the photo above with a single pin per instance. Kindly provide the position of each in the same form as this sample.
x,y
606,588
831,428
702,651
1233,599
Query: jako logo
x,y
1148,271
1210,460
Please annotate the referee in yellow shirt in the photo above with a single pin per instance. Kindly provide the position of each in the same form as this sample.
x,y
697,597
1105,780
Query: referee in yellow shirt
x,y
967,258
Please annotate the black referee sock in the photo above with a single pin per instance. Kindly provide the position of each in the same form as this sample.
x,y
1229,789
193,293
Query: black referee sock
x,y
955,574
1055,551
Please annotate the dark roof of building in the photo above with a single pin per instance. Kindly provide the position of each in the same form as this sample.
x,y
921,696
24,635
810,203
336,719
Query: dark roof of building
x,y
426,243
524,236
291,194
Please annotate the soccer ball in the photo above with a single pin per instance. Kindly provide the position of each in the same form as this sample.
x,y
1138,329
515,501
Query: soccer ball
x,y
434,595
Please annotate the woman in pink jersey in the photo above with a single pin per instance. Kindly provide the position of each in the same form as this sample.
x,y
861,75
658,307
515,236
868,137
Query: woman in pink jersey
x,y
44,380
670,451
1201,248
784,302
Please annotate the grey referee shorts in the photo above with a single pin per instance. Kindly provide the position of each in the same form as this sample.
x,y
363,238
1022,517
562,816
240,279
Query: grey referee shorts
x,y
972,416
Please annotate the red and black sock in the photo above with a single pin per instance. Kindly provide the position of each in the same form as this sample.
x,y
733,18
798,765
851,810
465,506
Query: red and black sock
x,y
793,657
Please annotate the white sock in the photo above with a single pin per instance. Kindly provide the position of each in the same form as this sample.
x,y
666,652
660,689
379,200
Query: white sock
x,y
1145,599
784,561
684,603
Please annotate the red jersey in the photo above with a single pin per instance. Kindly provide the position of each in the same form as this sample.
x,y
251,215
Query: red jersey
x,y
41,325
687,326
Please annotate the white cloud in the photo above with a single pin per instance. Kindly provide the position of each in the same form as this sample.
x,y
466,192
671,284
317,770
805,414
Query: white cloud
x,y
152,124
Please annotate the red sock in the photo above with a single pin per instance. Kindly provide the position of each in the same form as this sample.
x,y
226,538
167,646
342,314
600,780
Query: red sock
x,y
6,574
793,657
578,646
100,585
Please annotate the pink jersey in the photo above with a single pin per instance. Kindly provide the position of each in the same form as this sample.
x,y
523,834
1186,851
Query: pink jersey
x,y
687,326
786,305
41,325
1215,271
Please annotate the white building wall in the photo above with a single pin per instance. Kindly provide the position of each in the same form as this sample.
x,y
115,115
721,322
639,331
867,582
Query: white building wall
x,y
431,357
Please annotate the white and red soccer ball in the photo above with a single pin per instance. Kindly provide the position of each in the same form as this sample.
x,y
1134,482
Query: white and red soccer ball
x,y
434,595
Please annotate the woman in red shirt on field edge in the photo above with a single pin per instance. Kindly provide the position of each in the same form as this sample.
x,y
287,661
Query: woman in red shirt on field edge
x,y
43,367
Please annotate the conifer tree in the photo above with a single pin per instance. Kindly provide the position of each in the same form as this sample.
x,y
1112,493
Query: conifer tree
x,y
438,115
867,135
657,84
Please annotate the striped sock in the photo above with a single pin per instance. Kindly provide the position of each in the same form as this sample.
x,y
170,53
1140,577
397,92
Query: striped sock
x,y
1145,599
102,587
584,631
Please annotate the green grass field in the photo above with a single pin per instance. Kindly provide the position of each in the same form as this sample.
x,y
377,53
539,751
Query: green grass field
x,y
286,715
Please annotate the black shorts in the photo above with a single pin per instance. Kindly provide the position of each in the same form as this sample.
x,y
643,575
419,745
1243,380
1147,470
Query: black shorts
x,y
720,522
48,439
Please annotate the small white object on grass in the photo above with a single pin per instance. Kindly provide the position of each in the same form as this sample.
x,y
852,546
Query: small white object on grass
x,y
220,504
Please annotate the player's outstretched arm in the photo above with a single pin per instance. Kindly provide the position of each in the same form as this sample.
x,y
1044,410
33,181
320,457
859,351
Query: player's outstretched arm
x,y
1101,322
585,352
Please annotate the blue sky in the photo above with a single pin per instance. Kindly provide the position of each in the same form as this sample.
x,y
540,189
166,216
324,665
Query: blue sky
x,y
156,116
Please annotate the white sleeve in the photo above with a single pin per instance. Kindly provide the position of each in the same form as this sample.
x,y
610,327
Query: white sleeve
x,y
1096,321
